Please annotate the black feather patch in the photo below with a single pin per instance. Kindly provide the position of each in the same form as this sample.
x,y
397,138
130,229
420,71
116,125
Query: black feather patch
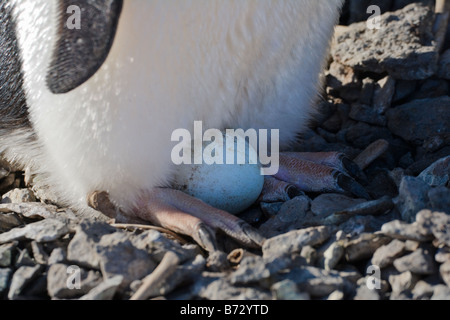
x,y
79,53
13,106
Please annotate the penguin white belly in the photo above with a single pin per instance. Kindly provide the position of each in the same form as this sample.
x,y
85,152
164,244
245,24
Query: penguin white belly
x,y
231,64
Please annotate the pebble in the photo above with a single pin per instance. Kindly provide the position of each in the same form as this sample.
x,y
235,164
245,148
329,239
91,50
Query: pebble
x,y
385,255
42,231
445,272
412,197
442,255
418,120
438,174
294,241
364,293
395,49
5,275
288,290
371,153
422,290
18,196
105,290
363,246
437,223
404,231
7,254
403,282
441,292
21,278
384,94
419,262
365,113
329,203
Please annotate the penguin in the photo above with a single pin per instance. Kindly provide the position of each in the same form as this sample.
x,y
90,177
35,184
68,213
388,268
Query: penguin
x,y
91,91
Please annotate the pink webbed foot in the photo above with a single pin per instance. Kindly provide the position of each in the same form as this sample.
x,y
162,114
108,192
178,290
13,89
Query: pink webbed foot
x,y
176,211
314,172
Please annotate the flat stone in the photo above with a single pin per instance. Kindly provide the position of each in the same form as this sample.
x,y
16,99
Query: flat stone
x,y
438,174
363,134
67,282
403,282
385,255
42,231
290,216
329,203
9,221
364,293
56,256
419,262
395,48
7,254
445,272
438,223
254,269
441,292
422,290
384,94
294,241
39,254
365,113
419,120
442,255
371,153
105,290
18,196
333,255
288,290
364,246
21,278
412,197
439,199
336,296
5,275
404,231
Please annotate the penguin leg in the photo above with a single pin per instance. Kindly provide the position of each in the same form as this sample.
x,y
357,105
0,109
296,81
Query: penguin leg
x,y
181,213
314,172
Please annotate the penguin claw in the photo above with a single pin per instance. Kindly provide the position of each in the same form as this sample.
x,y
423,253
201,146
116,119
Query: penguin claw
x,y
348,184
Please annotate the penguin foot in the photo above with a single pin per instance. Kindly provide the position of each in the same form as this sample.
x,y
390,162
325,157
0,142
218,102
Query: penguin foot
x,y
176,211
314,172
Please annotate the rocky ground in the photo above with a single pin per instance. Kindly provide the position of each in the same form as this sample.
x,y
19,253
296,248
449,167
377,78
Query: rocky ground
x,y
386,105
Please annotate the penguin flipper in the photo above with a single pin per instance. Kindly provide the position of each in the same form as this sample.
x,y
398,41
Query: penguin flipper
x,y
79,53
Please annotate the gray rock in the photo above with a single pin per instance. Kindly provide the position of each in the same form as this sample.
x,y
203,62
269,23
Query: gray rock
x,y
403,282
438,174
118,256
217,261
436,222
365,113
441,292
385,255
364,293
5,274
309,254
444,65
442,255
255,269
404,89
39,254
216,287
383,96
288,290
105,290
18,196
419,120
290,216
362,134
7,253
439,199
396,48
445,272
24,259
364,246
336,296
292,242
367,91
98,245
412,197
329,203
9,221
422,290
403,231
21,278
42,231
67,282
332,255
419,262
371,153
56,256
271,209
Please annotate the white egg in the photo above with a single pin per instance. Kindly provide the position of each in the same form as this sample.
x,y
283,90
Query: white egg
x,y
230,187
